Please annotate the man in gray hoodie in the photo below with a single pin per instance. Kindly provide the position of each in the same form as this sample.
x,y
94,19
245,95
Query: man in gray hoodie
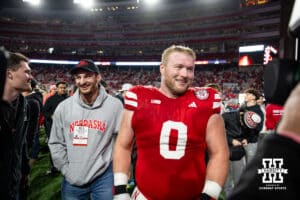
x,y
83,134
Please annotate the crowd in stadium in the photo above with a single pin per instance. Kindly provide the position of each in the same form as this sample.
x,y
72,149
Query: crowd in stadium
x,y
238,78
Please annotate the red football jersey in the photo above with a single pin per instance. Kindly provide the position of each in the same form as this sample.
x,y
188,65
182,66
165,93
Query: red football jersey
x,y
273,115
170,139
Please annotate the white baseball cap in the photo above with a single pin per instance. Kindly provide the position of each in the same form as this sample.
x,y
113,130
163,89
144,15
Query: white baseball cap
x,y
125,87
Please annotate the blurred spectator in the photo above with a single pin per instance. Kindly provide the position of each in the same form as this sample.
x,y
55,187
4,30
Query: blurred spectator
x,y
231,107
34,102
219,90
253,121
235,138
122,92
72,90
242,130
51,92
48,110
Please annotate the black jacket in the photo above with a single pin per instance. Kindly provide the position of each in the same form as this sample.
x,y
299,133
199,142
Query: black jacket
x,y
48,110
13,127
252,134
233,126
252,184
35,103
236,129
51,104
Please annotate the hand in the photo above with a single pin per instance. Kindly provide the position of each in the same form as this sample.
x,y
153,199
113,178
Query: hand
x,y
244,142
236,143
124,196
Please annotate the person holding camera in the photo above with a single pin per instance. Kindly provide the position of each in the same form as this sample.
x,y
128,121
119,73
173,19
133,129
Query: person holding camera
x,y
274,171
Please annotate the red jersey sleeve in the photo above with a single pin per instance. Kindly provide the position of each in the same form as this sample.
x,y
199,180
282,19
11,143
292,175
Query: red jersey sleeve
x,y
210,95
131,98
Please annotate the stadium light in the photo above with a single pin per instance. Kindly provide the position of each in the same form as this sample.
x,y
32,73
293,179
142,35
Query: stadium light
x,y
59,62
151,2
251,48
65,62
84,3
33,2
210,1
50,50
123,63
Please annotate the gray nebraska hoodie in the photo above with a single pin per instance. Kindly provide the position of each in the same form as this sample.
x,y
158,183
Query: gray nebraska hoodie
x,y
82,164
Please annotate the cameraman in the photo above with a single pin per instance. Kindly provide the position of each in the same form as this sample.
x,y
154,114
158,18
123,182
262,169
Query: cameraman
x,y
282,182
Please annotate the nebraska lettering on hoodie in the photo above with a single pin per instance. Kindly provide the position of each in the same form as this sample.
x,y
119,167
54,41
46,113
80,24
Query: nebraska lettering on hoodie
x,y
81,164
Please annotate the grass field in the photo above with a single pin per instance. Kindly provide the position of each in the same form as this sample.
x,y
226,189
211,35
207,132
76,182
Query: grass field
x,y
43,186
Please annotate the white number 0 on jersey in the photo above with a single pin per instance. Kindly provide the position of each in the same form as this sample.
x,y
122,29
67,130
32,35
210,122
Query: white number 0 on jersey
x,y
165,140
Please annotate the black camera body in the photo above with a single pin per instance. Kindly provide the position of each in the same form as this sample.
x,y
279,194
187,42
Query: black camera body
x,y
282,75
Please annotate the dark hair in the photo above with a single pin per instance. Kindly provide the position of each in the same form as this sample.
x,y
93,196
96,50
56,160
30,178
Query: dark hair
x,y
61,83
15,59
254,92
33,83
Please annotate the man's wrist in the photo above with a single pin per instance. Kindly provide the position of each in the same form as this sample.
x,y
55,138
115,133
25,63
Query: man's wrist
x,y
212,189
120,179
120,183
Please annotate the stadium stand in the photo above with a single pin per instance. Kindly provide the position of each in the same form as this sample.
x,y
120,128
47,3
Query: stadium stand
x,y
139,34
129,31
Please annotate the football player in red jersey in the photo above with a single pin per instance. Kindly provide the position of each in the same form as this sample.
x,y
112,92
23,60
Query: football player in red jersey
x,y
172,127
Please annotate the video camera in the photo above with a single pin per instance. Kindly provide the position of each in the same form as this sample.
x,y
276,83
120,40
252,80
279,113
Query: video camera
x,y
3,65
282,75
